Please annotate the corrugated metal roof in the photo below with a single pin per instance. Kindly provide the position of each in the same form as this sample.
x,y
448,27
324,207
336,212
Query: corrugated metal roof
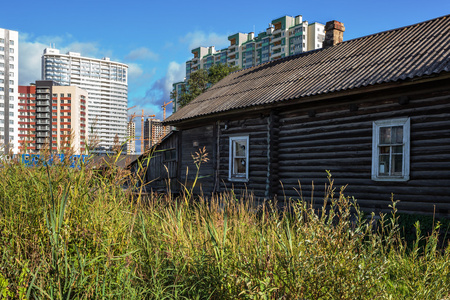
x,y
404,53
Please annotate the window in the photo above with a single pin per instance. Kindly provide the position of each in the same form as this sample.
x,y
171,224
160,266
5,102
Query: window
x,y
11,42
11,50
390,150
170,154
238,163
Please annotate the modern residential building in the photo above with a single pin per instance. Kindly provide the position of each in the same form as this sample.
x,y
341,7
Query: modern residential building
x,y
52,113
177,90
131,138
9,78
153,132
107,84
284,36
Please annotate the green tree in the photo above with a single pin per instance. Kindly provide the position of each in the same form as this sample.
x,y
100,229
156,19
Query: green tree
x,y
200,81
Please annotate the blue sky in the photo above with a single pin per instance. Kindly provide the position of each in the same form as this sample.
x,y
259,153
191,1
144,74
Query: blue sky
x,y
155,37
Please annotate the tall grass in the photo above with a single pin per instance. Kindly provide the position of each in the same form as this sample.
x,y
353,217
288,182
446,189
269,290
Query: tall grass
x,y
75,234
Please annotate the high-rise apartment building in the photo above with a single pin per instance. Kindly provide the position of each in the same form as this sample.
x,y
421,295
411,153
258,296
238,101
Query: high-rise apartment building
x,y
285,36
9,78
107,84
153,132
131,138
52,114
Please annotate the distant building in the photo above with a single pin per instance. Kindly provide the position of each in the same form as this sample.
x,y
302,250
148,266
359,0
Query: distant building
x,y
177,89
285,36
107,84
9,78
52,117
131,138
153,132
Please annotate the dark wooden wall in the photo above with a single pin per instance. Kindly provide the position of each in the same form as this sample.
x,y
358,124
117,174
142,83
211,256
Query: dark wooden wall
x,y
256,127
162,173
294,145
338,137
191,141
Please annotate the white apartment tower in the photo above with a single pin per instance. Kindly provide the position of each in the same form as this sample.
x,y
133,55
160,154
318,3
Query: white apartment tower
x,y
9,67
107,84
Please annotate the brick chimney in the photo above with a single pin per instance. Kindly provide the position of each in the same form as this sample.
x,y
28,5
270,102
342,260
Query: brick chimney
x,y
334,33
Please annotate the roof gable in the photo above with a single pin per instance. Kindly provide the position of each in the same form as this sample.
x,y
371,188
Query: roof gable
x,y
394,55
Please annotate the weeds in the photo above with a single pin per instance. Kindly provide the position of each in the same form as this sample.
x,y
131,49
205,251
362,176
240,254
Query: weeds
x,y
74,234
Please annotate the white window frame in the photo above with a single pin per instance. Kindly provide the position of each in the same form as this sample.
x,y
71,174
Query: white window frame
x,y
238,176
405,122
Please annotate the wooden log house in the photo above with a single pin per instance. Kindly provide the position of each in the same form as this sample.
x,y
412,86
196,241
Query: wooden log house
x,y
374,111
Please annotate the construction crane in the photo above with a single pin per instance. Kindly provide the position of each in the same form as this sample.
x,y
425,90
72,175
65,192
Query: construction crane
x,y
131,107
164,115
142,129
164,109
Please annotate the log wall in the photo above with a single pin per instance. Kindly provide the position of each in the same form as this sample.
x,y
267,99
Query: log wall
x,y
339,138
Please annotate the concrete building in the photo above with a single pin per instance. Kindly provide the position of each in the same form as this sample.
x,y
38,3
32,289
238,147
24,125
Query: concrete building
x,y
131,138
107,84
9,78
49,112
285,36
153,132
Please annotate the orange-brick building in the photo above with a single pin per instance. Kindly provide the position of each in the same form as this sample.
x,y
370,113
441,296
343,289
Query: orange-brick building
x,y
52,113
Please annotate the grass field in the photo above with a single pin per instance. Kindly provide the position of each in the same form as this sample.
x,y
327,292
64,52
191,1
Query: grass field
x,y
77,234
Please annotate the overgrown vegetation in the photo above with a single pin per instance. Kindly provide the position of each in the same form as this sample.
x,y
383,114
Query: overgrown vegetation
x,y
75,234
200,81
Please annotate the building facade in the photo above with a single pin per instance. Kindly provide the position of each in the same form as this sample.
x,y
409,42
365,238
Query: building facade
x,y
153,132
131,138
376,118
285,36
53,118
9,77
107,84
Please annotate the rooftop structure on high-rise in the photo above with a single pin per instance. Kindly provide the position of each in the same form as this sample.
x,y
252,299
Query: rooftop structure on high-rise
x,y
9,78
107,84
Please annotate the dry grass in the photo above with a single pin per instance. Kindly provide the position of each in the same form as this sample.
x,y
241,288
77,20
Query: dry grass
x,y
74,234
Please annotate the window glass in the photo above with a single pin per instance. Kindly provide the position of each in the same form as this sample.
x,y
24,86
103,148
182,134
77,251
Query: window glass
x,y
390,151
238,158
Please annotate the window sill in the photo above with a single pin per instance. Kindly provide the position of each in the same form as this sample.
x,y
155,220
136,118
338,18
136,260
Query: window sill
x,y
237,179
396,179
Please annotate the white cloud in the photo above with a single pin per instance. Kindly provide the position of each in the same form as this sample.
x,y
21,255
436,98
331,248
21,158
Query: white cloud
x,y
141,54
134,71
175,73
201,39
30,61
160,90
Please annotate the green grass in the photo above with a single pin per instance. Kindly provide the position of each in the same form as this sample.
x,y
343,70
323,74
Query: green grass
x,y
76,234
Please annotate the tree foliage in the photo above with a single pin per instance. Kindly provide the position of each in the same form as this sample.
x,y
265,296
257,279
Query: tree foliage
x,y
200,81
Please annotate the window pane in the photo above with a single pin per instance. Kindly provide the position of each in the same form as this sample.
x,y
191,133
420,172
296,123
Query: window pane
x,y
239,166
385,135
397,149
384,164
240,148
397,161
385,150
397,135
